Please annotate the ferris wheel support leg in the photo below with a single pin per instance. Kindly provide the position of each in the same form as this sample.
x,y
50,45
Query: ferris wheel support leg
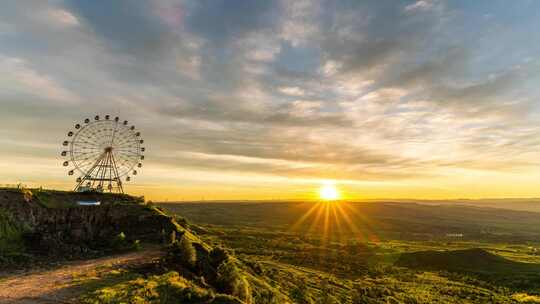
x,y
117,176
89,174
103,169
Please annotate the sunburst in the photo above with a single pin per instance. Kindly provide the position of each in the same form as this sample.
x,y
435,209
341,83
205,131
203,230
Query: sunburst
x,y
334,219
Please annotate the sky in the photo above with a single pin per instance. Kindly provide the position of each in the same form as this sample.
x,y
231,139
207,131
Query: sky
x,y
270,99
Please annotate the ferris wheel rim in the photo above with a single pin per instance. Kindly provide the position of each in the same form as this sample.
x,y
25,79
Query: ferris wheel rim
x,y
125,165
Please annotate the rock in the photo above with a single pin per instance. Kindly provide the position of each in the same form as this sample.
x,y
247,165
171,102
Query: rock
x,y
79,229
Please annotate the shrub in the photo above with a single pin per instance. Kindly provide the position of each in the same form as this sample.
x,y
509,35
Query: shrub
x,y
27,194
120,243
11,234
233,282
300,294
218,255
169,288
184,253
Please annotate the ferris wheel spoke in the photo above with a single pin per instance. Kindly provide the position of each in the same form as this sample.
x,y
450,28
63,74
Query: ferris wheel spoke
x,y
84,154
125,162
128,144
83,158
127,156
129,152
86,149
125,151
125,166
113,135
125,134
84,166
80,160
125,142
84,144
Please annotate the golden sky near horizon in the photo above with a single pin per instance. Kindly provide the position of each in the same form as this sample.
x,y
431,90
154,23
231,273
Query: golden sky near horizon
x,y
271,99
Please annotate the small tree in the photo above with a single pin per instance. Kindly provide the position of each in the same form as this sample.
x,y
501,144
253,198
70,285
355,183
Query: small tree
x,y
184,252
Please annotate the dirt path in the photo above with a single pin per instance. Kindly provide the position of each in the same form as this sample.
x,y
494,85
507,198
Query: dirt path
x,y
59,285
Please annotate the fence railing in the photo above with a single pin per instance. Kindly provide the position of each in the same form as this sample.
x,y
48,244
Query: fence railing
x,y
14,186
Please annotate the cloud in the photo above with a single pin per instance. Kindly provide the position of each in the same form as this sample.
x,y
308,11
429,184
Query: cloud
x,y
293,91
63,17
421,5
19,78
351,89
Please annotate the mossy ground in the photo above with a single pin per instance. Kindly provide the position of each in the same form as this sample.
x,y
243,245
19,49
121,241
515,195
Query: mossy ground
x,y
12,248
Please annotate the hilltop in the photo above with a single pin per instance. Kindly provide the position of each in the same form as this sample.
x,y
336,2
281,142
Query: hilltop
x,y
189,269
49,223
475,262
466,260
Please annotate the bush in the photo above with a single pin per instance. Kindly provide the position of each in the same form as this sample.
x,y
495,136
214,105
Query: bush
x,y
300,294
218,255
233,282
169,288
120,243
27,194
11,234
184,253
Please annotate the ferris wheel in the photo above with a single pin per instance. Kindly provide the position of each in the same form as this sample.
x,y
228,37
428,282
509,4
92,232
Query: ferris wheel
x,y
104,152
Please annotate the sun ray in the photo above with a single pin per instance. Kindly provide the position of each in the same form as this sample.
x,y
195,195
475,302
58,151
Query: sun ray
x,y
354,228
304,217
317,218
337,222
365,221
326,221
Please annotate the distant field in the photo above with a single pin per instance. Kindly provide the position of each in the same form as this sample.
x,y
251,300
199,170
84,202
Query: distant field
x,y
371,220
518,204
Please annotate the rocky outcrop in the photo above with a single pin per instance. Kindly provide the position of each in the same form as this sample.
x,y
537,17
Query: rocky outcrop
x,y
82,228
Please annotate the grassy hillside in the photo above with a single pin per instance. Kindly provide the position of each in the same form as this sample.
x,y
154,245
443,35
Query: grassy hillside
x,y
298,252
192,271
477,263
314,266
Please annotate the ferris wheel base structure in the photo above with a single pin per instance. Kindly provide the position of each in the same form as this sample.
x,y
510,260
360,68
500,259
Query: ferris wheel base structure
x,y
105,152
102,176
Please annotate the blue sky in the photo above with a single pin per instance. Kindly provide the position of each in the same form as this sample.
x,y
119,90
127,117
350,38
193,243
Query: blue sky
x,y
238,99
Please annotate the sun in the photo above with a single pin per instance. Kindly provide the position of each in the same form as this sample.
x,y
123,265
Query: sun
x,y
329,192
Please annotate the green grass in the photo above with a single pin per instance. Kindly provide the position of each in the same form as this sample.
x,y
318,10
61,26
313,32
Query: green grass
x,y
168,288
11,239
271,263
312,268
478,263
